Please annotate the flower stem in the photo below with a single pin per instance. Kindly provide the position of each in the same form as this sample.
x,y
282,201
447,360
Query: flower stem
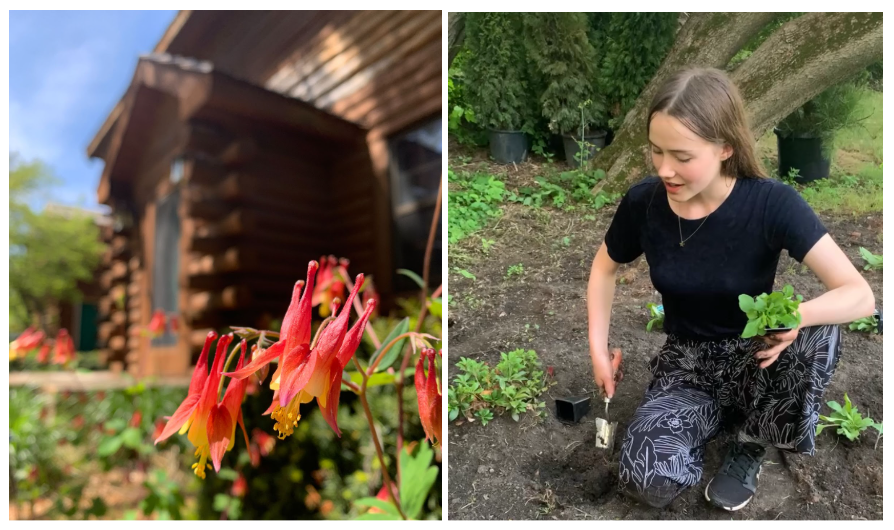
x,y
386,477
359,309
399,382
372,368
227,366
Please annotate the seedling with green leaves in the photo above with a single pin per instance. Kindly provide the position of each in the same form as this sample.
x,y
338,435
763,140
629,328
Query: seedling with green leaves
x,y
872,261
868,324
512,386
656,314
768,311
847,420
515,270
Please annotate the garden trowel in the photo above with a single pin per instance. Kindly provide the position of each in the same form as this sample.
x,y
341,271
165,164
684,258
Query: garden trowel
x,y
605,428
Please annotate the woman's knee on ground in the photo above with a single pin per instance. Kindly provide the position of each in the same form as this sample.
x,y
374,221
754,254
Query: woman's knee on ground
x,y
654,490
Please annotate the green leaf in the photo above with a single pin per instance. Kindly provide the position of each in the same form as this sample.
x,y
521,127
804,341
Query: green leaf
x,y
131,438
221,502
847,403
228,474
109,446
746,303
435,307
835,406
413,276
386,506
377,517
417,478
376,379
751,329
391,355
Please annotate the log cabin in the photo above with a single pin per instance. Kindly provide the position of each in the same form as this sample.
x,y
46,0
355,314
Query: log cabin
x,y
249,143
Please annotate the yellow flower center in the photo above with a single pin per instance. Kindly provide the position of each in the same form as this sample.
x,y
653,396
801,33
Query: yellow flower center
x,y
199,467
286,418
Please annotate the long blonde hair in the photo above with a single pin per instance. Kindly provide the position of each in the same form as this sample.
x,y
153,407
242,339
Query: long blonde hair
x,y
707,102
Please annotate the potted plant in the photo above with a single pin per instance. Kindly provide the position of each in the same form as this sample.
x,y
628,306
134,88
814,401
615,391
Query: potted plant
x,y
495,82
805,139
566,64
774,312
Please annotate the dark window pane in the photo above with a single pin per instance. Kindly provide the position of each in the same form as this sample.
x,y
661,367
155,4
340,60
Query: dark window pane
x,y
415,177
166,267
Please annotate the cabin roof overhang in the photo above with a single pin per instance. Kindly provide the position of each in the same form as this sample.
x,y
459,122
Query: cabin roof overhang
x,y
196,87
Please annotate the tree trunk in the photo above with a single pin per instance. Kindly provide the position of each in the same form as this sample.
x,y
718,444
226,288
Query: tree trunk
x,y
800,60
456,34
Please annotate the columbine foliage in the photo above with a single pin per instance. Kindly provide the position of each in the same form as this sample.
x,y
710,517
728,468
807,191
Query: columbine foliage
x,y
868,324
656,314
872,261
777,309
513,386
848,421
474,199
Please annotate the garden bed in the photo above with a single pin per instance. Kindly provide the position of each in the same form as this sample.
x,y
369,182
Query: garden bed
x,y
540,468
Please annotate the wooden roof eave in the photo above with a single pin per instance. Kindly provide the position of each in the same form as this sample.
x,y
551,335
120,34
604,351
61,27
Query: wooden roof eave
x,y
197,89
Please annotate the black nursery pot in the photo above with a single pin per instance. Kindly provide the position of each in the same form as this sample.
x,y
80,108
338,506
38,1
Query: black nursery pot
x,y
803,154
596,140
508,147
571,410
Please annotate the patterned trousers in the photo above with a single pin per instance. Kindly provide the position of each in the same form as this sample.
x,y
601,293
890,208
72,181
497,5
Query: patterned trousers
x,y
698,386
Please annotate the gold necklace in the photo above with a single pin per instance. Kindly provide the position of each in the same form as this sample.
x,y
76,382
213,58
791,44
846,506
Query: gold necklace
x,y
680,225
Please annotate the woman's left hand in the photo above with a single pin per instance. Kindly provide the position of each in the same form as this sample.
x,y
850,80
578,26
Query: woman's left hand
x,y
777,342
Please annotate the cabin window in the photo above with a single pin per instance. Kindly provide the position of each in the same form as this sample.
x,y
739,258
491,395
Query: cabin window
x,y
166,263
415,177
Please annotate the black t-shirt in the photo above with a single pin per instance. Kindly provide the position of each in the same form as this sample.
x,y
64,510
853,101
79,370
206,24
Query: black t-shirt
x,y
735,252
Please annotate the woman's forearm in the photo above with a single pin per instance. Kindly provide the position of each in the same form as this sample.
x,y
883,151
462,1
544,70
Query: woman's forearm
x,y
838,306
600,293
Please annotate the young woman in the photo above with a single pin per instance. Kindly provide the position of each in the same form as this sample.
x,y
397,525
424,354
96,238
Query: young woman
x,y
712,227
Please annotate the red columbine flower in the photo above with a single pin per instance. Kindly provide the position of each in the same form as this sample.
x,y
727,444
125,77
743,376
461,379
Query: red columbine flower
x,y
64,350
330,283
240,486
136,419
306,373
211,425
369,294
43,354
157,323
429,397
27,341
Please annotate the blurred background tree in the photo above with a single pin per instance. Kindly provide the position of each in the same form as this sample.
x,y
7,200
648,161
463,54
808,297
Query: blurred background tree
x,y
48,252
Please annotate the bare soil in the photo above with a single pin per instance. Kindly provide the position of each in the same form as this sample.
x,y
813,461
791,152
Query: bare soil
x,y
543,469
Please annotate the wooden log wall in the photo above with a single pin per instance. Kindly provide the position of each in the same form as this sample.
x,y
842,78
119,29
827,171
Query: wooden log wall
x,y
257,206
115,278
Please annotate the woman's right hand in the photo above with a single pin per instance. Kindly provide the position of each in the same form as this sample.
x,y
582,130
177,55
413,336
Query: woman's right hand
x,y
606,371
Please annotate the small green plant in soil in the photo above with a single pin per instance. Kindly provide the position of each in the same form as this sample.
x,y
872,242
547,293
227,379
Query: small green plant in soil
x,y
513,386
515,270
474,199
465,274
567,190
486,244
773,310
868,324
872,261
656,314
848,421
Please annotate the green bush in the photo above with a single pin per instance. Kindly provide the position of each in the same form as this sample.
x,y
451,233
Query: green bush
x,y
495,71
462,125
830,111
565,62
630,47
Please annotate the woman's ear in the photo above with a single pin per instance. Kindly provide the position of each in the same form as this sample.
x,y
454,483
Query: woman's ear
x,y
726,152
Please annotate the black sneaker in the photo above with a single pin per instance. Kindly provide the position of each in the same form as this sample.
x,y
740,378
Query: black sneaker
x,y
734,485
